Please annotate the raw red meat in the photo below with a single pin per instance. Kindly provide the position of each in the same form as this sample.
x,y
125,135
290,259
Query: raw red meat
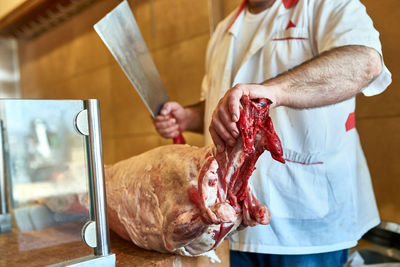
x,y
186,200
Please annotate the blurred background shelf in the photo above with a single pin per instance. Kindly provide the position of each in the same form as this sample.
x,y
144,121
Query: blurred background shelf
x,y
25,19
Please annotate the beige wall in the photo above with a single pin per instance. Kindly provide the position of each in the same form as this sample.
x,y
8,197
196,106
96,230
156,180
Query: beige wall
x,y
70,61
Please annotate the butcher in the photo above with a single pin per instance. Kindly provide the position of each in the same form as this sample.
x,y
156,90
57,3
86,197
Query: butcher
x,y
310,58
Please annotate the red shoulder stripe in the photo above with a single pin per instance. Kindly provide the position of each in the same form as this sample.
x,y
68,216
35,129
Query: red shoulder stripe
x,y
242,6
289,3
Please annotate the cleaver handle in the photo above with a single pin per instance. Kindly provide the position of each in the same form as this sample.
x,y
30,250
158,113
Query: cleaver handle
x,y
179,140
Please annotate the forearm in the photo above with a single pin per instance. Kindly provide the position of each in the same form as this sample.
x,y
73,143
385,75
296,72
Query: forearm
x,y
330,78
194,115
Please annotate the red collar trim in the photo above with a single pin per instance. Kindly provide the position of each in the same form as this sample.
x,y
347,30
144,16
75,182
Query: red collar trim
x,y
241,8
289,3
286,3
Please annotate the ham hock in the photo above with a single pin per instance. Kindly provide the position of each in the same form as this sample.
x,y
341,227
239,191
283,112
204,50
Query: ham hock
x,y
186,200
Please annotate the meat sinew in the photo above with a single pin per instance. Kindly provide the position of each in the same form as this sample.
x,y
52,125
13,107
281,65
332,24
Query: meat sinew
x,y
186,200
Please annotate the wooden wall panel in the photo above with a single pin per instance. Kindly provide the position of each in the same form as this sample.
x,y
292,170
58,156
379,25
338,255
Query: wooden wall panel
x,y
380,138
71,62
378,117
385,15
165,22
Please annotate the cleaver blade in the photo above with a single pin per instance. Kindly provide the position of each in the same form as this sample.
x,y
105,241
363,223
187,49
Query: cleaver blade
x,y
121,34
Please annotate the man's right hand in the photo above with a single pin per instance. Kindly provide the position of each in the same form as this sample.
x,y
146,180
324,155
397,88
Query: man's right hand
x,y
171,121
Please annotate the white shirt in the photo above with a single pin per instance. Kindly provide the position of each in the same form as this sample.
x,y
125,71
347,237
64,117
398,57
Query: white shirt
x,y
246,33
321,199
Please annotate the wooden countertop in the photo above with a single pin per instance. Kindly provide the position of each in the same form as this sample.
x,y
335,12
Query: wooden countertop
x,y
128,254
55,245
44,247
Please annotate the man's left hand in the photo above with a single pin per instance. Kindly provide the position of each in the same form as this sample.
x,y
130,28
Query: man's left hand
x,y
223,127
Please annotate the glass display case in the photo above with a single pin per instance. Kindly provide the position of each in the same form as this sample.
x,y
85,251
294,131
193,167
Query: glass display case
x,y
52,197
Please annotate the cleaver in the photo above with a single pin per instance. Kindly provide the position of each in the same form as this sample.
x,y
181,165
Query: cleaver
x,y
120,33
